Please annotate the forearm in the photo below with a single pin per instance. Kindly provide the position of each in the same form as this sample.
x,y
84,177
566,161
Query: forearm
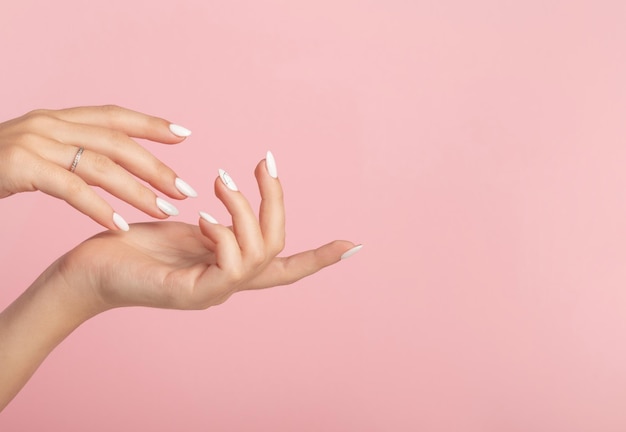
x,y
34,324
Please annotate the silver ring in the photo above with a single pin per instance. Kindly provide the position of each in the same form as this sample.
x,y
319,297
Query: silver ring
x,y
79,153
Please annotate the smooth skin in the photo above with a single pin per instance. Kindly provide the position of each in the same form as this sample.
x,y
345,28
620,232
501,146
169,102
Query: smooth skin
x,y
159,264
37,150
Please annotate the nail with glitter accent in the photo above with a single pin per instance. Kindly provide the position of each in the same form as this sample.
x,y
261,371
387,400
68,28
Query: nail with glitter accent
x,y
184,188
166,207
350,252
120,222
179,131
207,217
227,180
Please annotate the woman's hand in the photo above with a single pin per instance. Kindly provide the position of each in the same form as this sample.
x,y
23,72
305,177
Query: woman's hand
x,y
175,265
159,264
42,151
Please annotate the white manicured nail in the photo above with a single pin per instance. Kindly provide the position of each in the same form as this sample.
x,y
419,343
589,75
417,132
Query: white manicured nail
x,y
184,188
166,207
270,163
120,222
350,252
180,131
228,181
207,217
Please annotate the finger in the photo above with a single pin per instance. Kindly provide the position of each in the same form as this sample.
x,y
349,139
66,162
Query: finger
x,y
99,170
132,123
284,271
124,151
227,253
245,224
60,183
272,208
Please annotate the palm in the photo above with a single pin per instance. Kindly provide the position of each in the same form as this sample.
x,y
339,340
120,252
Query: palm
x,y
154,264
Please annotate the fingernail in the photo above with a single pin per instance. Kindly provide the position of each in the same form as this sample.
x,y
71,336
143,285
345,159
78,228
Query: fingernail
x,y
270,164
350,252
120,222
166,207
228,181
180,131
184,188
207,217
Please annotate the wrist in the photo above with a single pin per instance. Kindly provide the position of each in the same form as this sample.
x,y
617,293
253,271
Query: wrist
x,y
35,323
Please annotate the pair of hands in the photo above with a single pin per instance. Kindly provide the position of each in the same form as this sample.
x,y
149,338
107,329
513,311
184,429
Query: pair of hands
x,y
160,264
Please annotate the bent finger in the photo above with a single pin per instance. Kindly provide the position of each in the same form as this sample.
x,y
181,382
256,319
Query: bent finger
x,y
245,224
226,249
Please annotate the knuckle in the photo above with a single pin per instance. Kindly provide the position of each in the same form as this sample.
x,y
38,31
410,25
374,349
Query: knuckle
x,y
112,112
102,164
115,137
110,108
143,194
162,171
27,138
38,119
74,187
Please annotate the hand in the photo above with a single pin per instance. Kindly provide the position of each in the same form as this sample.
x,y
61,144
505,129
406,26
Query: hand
x,y
176,265
159,264
38,149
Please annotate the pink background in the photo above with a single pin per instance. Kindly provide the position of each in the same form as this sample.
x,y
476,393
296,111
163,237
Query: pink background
x,y
475,148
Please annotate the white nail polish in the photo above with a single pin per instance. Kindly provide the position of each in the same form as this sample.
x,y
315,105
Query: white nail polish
x,y
207,217
350,252
270,164
228,181
179,131
120,222
184,188
166,207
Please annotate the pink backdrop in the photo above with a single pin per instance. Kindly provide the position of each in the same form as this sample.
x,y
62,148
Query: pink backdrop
x,y
475,148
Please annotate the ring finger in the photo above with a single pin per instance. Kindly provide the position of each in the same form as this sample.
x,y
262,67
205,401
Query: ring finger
x,y
98,170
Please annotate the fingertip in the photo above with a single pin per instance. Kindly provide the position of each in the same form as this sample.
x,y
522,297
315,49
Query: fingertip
x,y
270,165
350,252
207,217
179,131
120,222
333,252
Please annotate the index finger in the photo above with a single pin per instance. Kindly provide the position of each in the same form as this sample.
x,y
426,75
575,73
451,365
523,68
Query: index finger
x,y
132,123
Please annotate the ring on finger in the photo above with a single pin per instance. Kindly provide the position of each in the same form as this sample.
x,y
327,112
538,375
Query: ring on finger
x,y
79,153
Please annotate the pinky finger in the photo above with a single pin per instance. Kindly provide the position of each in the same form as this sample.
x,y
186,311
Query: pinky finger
x,y
58,182
285,271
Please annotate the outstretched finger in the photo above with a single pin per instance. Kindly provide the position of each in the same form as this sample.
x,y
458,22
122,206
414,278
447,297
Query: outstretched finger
x,y
287,270
132,123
